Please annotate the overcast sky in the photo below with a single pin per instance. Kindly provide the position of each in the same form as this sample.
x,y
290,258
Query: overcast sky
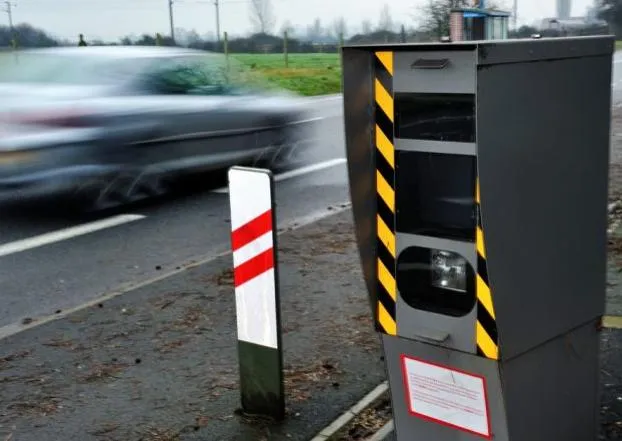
x,y
112,19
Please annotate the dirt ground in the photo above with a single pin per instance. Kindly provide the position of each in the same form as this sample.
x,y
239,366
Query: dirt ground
x,y
160,363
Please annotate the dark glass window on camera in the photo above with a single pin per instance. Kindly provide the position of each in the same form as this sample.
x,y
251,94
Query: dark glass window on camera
x,y
435,117
436,195
436,281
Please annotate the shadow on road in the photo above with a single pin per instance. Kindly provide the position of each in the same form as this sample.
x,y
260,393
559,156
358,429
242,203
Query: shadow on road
x,y
58,208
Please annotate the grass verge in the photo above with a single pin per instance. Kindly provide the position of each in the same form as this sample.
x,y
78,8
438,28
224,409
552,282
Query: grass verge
x,y
305,74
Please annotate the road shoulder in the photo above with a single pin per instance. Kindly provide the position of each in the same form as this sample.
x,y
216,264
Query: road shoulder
x,y
161,360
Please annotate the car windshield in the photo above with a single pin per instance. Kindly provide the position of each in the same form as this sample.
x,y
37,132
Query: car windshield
x,y
42,68
211,74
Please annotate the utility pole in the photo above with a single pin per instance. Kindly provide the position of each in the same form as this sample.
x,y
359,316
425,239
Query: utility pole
x,y
515,14
170,16
9,12
217,6
8,8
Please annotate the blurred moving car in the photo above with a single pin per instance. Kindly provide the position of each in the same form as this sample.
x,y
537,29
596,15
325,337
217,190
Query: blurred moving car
x,y
113,124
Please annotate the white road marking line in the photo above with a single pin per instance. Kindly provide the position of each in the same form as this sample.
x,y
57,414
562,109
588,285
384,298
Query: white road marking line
x,y
194,262
305,121
297,172
313,217
66,233
326,98
310,169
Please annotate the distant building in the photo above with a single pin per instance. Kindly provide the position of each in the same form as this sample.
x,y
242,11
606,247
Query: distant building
x,y
478,23
564,9
555,27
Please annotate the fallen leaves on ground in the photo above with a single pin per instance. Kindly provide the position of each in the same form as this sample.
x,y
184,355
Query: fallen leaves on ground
x,y
36,406
159,434
368,422
4,361
105,429
224,278
103,372
298,380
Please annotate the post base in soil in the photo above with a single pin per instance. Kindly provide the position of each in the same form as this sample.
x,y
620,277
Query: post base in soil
x,y
261,380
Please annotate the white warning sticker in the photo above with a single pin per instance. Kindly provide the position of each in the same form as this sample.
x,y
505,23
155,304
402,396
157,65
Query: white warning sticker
x,y
447,396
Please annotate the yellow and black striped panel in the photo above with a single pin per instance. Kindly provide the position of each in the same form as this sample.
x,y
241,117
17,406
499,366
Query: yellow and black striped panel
x,y
385,193
486,325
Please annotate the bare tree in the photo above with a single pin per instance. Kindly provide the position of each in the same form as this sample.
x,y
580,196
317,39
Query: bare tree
x,y
340,27
403,35
434,16
385,23
497,5
366,27
262,16
315,31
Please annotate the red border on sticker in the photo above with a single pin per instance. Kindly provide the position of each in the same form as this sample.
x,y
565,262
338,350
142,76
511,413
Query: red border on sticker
x,y
404,357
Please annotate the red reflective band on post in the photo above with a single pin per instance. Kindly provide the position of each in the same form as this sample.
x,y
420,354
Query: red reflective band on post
x,y
254,267
255,261
252,230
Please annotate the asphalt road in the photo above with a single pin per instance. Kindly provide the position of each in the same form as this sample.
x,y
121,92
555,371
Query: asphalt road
x,y
163,358
51,261
47,264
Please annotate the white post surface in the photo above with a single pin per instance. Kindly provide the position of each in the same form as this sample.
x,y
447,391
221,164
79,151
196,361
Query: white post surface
x,y
255,275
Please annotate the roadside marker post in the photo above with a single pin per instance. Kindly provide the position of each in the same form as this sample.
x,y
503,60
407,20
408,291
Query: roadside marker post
x,y
256,281
479,183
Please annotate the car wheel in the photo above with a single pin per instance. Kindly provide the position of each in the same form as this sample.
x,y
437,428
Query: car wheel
x,y
112,193
288,151
145,186
124,188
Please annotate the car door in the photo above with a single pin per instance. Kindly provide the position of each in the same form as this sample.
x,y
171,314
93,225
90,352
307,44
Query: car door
x,y
202,120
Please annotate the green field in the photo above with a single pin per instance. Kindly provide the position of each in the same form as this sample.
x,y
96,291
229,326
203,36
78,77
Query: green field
x,y
306,74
